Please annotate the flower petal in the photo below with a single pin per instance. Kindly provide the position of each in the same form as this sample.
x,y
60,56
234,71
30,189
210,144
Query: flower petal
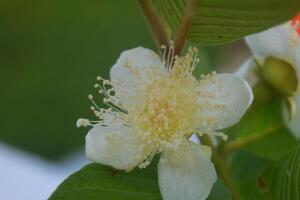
x,y
186,173
297,57
272,42
207,151
293,124
132,70
247,67
225,98
247,71
114,146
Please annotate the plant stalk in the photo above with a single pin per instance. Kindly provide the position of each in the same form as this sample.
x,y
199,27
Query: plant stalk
x,y
240,142
185,25
155,23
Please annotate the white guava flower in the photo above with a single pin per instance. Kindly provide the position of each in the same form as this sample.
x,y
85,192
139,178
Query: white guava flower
x,y
281,42
153,108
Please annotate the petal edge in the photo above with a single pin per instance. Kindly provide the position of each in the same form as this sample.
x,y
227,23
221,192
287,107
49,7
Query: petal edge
x,y
186,174
114,146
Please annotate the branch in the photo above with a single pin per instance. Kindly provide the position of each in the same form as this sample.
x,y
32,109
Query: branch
x,y
154,22
240,142
185,25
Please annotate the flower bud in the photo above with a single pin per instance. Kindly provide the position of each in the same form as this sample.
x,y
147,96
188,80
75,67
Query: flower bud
x,y
280,75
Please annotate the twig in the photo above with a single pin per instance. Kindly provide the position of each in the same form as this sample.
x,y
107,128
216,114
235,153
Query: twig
x,y
240,142
154,22
185,25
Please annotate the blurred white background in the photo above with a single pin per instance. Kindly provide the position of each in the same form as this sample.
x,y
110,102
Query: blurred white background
x,y
27,177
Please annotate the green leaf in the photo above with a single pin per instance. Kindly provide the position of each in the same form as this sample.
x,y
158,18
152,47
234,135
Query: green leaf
x,y
262,131
95,181
282,178
221,21
219,192
246,169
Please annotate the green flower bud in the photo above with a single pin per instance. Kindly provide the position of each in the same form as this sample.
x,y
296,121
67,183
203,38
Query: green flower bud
x,y
280,75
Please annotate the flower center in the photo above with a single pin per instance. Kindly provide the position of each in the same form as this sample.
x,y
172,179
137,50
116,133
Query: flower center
x,y
295,31
168,114
295,23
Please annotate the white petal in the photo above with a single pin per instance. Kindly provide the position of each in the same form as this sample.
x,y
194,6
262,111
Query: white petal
x,y
275,42
186,174
207,151
247,71
296,57
294,123
132,70
114,146
229,96
247,67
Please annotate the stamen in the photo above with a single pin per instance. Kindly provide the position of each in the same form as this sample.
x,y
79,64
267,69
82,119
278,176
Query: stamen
x,y
82,123
147,162
295,31
90,97
169,56
295,23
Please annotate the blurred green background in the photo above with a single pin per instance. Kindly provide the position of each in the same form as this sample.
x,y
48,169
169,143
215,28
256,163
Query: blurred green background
x,y
50,54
